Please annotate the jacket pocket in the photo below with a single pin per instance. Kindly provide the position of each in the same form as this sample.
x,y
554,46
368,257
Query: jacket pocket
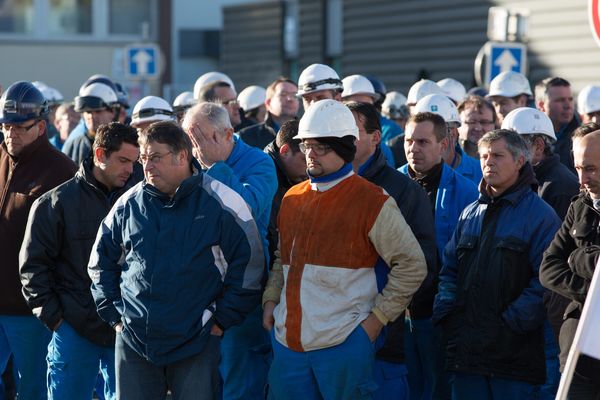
x,y
465,252
582,232
515,269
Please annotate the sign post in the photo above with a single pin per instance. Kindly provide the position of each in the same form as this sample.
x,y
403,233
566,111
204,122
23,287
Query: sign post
x,y
502,57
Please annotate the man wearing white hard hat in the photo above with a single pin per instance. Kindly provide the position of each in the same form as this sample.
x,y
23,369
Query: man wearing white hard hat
x,y
509,90
151,109
252,101
588,104
183,102
282,105
208,78
454,155
419,90
557,186
554,97
322,303
319,82
223,93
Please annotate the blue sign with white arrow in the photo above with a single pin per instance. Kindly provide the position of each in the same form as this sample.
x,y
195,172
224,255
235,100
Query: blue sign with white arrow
x,y
142,61
504,56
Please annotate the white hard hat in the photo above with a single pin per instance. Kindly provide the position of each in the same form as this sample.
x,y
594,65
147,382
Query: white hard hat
x,y
588,100
252,97
317,77
438,104
422,89
184,101
327,118
392,104
96,96
358,84
209,78
529,121
453,89
52,95
509,84
151,109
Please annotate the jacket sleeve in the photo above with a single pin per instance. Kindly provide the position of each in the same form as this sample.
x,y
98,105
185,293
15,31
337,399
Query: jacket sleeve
x,y
242,249
257,188
396,245
555,272
527,311
41,246
105,266
583,261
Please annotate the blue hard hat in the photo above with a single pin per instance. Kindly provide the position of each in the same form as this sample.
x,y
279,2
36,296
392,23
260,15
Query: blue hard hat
x,y
377,85
22,102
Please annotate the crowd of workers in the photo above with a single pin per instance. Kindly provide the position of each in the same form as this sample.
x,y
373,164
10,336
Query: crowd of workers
x,y
438,245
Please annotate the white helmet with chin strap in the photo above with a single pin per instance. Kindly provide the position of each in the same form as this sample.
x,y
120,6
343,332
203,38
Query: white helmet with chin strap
x,y
317,77
529,121
327,118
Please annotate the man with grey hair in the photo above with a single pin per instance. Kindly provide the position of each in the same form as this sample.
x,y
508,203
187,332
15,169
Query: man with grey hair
x,y
489,303
251,173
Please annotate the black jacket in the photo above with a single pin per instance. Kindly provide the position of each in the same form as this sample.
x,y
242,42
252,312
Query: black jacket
x,y
568,267
414,205
283,185
54,256
259,135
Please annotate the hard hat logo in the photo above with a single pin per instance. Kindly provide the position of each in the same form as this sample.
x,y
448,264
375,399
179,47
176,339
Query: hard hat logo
x,y
434,108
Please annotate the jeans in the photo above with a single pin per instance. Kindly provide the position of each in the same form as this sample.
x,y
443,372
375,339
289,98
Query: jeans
x,y
193,378
479,387
344,371
73,364
245,359
27,340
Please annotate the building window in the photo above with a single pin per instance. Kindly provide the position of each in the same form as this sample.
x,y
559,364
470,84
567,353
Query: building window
x,y
128,17
16,16
70,16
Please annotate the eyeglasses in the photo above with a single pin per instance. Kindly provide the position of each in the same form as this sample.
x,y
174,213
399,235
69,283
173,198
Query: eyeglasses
x,y
318,149
154,158
18,129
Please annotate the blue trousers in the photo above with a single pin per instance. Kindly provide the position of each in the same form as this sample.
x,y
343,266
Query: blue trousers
x,y
73,364
479,387
245,359
193,378
344,371
550,387
420,356
391,380
28,341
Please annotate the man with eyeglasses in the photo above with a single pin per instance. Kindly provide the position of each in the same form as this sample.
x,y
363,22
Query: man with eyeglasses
x,y
282,105
251,173
177,260
324,304
477,116
29,167
223,93
54,256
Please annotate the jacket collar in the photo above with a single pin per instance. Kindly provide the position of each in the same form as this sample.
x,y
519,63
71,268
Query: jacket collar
x,y
544,166
185,188
373,165
273,151
29,151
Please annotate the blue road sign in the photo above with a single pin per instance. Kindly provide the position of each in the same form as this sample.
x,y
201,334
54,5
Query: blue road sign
x,y
142,61
504,56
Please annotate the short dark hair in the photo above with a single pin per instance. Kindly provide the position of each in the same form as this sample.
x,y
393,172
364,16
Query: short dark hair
x,y
169,133
478,103
515,143
439,124
208,92
286,135
541,89
368,115
110,137
273,86
585,129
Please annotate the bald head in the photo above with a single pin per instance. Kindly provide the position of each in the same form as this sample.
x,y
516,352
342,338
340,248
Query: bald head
x,y
586,157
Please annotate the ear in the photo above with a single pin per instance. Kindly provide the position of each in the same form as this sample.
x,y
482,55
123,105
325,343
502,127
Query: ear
x,y
375,137
229,134
520,162
41,127
284,150
445,142
99,155
540,105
